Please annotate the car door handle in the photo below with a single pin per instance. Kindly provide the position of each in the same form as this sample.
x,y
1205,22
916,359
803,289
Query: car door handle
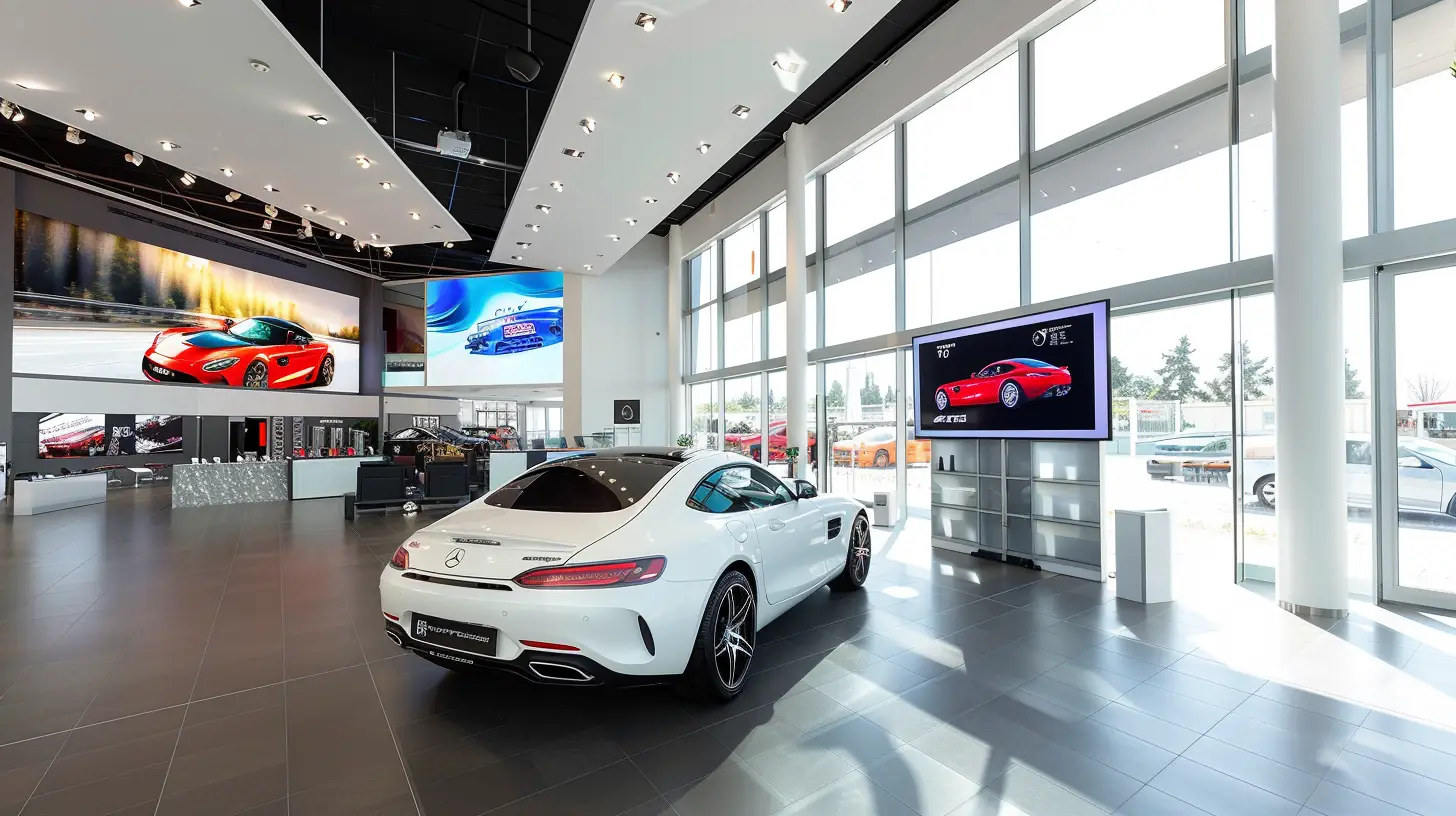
x,y
776,525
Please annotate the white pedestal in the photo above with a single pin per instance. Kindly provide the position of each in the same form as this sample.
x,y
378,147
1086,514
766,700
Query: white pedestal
x,y
1144,556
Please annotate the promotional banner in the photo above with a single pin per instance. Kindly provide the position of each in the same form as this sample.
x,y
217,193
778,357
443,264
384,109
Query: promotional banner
x,y
92,304
497,330
63,436
1043,376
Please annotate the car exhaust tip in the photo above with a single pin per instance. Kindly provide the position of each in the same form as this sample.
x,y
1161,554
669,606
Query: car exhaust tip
x,y
393,638
558,672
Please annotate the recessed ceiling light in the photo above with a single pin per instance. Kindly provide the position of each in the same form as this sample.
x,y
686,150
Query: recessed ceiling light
x,y
588,125
646,21
786,66
544,208
673,177
587,267
523,244
319,118
631,222
840,6
414,216
615,80
188,179
260,66
650,200
533,227
233,195
87,114
170,146
374,236
557,186
388,185
615,237
741,111
704,147
134,158
363,162
227,171
517,258
343,223
270,188
309,208
574,153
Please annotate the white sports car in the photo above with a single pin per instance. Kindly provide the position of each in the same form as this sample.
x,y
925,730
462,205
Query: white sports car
x,y
622,566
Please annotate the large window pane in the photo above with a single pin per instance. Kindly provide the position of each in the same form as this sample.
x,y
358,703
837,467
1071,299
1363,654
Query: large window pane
x,y
1116,54
964,136
743,328
778,317
964,260
811,216
742,399
861,192
1425,114
1256,153
778,236
702,278
859,292
778,425
1152,202
863,425
705,406
740,257
705,338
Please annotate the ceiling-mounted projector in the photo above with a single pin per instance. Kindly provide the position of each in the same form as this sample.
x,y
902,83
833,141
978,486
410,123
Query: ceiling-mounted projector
x,y
453,143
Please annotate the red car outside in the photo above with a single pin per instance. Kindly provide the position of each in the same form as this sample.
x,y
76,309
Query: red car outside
x,y
1009,382
260,352
778,442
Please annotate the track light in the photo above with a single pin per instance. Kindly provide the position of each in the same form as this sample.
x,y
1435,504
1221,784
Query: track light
x,y
557,186
673,178
573,152
228,172
188,179
388,253
374,236
414,216
270,188
343,223
190,3
134,158
523,244
388,185
704,147
533,227
358,245
517,258
449,244
615,80
260,66
232,196
87,114
267,223
270,210
434,226
544,208
309,208
646,21
169,146
840,6
363,162
72,135
741,111
319,118
615,238
588,125
650,200
631,222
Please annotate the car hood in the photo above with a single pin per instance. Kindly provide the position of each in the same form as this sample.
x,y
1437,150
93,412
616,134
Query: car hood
x,y
175,345
498,543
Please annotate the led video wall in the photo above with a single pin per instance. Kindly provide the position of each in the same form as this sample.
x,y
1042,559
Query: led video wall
x,y
92,304
496,330
68,436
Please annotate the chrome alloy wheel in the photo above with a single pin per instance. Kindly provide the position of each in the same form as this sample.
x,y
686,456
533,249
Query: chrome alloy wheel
x,y
736,626
256,376
859,549
1010,395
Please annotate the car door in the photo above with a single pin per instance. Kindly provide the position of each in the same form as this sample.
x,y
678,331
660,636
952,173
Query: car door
x,y
790,533
982,389
1419,482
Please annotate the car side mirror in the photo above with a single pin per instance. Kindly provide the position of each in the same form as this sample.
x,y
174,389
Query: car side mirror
x,y
1410,462
805,490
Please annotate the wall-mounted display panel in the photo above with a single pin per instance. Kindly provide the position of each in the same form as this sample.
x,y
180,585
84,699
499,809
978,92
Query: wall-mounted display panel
x,y
1041,376
404,346
496,330
93,304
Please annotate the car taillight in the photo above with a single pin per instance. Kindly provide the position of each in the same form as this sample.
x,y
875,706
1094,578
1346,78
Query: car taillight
x,y
605,574
400,561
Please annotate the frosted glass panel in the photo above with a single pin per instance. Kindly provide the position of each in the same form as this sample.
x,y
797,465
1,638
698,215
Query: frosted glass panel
x,y
1018,535
991,458
1068,542
1069,461
1018,496
1018,457
1064,501
993,535
957,524
960,491
991,494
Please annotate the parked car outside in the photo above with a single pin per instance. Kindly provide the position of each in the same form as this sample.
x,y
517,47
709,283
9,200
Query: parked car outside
x,y
1425,476
876,448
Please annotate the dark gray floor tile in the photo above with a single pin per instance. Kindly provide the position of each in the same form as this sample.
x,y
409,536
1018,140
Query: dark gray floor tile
x,y
102,796
1104,683
976,759
927,786
1330,799
683,761
1219,794
851,795
1199,689
857,741
1280,780
1070,697
615,789
1084,776
1037,795
1146,727
1420,733
811,710
1310,753
1153,802
1121,751
1205,669
1318,703
1145,652
731,790
799,768
1187,712
1298,720
901,719
1399,787
21,767
753,732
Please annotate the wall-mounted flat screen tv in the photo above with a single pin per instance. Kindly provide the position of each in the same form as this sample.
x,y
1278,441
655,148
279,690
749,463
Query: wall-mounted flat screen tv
x,y
158,433
495,330
1041,376
63,436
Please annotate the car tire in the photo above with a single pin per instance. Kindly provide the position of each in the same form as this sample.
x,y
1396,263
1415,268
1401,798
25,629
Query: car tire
x,y
723,650
942,399
1264,491
326,371
882,458
256,376
856,558
1010,394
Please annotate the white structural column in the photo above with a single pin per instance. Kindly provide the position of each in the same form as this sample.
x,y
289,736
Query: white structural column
x,y
797,359
675,401
1308,275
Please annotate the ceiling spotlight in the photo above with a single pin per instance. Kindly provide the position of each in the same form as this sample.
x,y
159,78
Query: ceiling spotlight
x,y
544,208
673,177
615,80
646,21
557,186
388,253
449,244
434,226
631,222
10,110
588,125
741,111
267,224
87,114
516,258
388,185
188,179
358,245
363,162
533,227
169,146
342,222
414,216
270,188
615,238
650,200
227,171
260,66
72,135
134,158
190,3
574,153
19,115
233,195
523,244
333,234
309,208
374,236
270,210
587,267
786,66
704,147
319,118
840,6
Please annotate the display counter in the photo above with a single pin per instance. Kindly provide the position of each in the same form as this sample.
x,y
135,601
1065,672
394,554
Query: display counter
x,y
212,484
325,477
59,493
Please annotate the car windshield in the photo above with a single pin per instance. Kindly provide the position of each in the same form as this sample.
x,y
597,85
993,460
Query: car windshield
x,y
259,333
584,484
1431,450
1030,363
876,435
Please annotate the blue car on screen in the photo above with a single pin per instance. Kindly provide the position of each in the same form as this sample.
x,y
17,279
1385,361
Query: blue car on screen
x,y
520,331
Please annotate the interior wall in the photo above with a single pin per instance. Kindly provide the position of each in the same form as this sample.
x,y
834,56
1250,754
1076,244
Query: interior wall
x,y
58,394
7,303
623,351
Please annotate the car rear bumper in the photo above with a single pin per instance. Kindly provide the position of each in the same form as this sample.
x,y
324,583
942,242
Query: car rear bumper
x,y
543,667
640,631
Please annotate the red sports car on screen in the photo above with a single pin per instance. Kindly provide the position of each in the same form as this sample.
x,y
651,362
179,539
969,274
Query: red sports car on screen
x,y
84,441
1009,382
260,352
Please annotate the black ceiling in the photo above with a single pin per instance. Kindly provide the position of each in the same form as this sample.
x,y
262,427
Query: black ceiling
x,y
899,26
398,62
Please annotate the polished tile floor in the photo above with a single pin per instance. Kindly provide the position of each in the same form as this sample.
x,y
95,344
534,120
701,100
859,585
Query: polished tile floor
x,y
231,661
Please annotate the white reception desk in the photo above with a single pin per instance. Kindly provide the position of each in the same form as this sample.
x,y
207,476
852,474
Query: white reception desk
x,y
60,493
327,476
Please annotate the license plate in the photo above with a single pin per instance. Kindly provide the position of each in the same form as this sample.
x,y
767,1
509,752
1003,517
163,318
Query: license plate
x,y
464,637
519,329
158,370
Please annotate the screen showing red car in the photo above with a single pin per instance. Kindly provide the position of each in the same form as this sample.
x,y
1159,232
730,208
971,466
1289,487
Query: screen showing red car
x,y
1042,376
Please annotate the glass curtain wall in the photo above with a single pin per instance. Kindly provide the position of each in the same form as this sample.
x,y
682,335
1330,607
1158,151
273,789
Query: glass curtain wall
x,y
863,424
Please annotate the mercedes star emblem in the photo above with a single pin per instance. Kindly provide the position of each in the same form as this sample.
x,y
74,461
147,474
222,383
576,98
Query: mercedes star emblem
x,y
454,558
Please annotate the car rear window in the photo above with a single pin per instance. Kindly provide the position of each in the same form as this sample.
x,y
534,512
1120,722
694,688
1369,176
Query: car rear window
x,y
584,484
